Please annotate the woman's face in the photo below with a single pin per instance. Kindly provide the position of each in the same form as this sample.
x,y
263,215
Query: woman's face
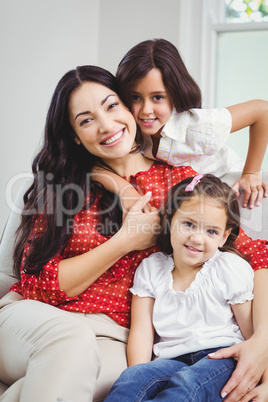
x,y
101,122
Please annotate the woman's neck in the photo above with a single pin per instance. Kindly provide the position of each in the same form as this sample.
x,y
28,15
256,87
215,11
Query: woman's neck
x,y
130,164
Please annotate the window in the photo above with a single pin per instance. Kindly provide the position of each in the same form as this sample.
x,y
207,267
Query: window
x,y
246,10
234,59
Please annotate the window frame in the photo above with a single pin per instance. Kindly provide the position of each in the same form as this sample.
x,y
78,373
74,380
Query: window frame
x,y
214,24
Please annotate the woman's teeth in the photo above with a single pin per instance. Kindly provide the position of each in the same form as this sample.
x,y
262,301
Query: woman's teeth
x,y
114,138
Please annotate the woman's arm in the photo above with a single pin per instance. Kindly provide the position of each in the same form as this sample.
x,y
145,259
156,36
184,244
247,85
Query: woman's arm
x,y
141,335
138,232
255,115
251,355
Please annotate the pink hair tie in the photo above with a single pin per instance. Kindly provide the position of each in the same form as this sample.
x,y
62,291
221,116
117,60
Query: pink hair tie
x,y
194,182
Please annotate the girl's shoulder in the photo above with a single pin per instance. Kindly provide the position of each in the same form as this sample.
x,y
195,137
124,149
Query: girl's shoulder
x,y
154,268
229,267
232,278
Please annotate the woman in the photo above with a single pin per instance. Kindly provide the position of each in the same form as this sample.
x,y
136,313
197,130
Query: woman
x,y
75,254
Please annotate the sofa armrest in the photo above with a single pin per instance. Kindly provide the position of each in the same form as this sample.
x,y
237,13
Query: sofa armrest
x,y
253,221
7,277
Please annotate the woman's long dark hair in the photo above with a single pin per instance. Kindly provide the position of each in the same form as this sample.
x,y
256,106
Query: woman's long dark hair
x,y
209,187
60,164
161,54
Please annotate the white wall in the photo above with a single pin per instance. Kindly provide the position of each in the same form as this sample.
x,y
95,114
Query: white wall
x,y
39,42
123,24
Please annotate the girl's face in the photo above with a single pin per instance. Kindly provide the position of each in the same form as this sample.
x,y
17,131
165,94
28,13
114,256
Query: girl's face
x,y
152,104
101,122
198,229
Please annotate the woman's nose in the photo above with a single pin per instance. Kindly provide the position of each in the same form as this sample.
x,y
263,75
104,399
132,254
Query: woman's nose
x,y
106,124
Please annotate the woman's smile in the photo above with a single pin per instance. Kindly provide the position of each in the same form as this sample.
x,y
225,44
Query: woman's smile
x,y
113,139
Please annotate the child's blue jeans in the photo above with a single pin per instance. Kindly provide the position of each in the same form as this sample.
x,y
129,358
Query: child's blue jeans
x,y
191,377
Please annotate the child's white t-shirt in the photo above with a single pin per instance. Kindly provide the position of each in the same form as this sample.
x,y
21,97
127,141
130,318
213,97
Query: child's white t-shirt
x,y
197,138
201,317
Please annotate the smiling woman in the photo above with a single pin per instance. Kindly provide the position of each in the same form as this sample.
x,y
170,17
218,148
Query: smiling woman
x,y
102,121
73,251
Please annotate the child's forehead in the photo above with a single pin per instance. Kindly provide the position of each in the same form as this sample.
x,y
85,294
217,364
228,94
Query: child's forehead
x,y
200,205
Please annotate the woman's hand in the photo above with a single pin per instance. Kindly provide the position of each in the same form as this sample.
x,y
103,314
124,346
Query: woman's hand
x,y
251,364
141,224
259,393
254,188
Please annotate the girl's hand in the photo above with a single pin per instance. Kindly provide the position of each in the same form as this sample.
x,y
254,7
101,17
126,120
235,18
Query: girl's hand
x,y
254,187
141,225
251,364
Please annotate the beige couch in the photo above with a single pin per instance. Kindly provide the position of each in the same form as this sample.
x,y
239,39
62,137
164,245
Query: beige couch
x,y
254,222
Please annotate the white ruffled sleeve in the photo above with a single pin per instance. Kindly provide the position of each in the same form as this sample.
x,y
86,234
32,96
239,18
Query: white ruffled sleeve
x,y
147,275
234,278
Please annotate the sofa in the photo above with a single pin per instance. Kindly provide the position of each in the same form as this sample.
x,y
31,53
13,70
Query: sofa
x,y
254,222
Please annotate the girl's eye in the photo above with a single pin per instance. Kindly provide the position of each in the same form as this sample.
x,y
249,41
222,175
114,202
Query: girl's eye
x,y
158,97
212,232
136,98
188,224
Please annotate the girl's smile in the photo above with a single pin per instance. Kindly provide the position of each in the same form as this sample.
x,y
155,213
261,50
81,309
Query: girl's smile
x,y
194,236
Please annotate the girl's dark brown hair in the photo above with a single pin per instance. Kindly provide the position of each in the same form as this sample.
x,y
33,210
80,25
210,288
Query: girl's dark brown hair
x,y
210,187
161,54
61,163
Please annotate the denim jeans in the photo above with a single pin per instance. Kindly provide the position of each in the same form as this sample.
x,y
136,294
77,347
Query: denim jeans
x,y
191,377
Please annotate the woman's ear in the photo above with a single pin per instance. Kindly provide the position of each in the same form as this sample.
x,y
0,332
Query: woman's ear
x,y
225,237
75,138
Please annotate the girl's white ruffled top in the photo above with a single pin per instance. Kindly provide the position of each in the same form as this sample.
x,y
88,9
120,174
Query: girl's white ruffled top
x,y
201,317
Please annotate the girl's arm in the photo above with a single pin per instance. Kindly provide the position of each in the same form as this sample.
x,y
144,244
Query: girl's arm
x,y
251,355
141,334
255,115
243,315
138,232
117,185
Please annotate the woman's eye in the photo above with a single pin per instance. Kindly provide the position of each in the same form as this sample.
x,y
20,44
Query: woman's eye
x,y
112,105
85,121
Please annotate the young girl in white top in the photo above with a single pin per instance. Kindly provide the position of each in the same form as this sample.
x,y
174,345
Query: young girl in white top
x,y
166,103
189,300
